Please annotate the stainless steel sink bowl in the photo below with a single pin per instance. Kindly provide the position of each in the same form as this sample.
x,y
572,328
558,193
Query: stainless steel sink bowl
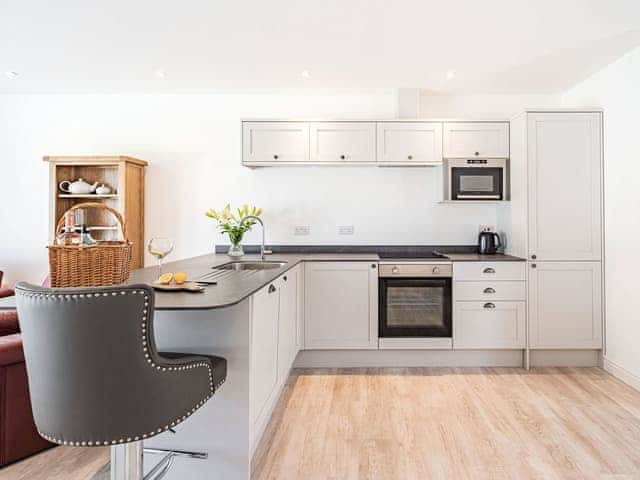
x,y
250,266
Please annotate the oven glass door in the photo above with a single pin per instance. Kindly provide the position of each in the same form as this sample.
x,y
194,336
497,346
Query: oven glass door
x,y
473,183
415,307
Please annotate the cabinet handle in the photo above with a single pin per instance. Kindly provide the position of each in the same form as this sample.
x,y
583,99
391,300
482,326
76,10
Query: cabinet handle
x,y
342,157
488,270
271,288
275,157
373,265
533,265
489,290
489,305
410,157
477,153
533,257
284,278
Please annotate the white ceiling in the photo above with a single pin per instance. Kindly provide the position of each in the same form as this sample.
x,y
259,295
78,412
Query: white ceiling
x,y
493,46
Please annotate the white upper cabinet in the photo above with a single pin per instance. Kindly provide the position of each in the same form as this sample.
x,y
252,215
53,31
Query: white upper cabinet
x,y
275,142
340,142
565,186
476,140
565,305
418,143
341,305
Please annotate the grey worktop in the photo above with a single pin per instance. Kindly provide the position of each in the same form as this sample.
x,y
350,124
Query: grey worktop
x,y
235,286
476,257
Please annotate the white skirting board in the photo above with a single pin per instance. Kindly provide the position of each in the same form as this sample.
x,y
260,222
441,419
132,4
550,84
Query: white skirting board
x,y
445,358
408,358
622,373
566,358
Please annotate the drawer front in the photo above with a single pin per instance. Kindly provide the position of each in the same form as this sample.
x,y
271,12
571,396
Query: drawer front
x,y
489,271
489,291
489,325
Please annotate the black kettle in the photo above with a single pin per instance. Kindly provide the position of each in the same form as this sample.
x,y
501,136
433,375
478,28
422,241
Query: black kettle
x,y
488,242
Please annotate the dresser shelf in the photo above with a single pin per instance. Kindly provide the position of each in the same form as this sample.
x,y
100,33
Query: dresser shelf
x,y
124,175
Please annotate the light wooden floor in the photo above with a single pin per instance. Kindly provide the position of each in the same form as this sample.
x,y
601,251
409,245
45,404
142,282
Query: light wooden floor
x,y
59,463
453,424
404,424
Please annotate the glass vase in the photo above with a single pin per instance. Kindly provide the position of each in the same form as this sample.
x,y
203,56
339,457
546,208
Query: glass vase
x,y
235,250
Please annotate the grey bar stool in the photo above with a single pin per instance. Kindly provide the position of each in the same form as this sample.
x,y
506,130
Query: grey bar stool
x,y
96,378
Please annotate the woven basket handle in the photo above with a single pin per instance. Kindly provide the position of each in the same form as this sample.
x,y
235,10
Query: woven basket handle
x,y
99,206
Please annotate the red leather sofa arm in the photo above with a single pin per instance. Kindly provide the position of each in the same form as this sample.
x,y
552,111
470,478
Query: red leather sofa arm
x,y
11,350
9,323
6,292
18,435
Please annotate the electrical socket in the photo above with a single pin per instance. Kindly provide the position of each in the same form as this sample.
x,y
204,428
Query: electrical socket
x,y
300,230
345,230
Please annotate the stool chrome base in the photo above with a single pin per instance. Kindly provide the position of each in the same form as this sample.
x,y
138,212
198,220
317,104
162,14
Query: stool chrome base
x,y
129,465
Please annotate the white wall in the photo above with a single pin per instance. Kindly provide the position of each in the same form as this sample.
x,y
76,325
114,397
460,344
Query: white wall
x,y
617,90
193,145
481,106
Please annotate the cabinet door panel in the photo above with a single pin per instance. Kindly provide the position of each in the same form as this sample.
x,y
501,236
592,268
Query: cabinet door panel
x,y
288,325
476,140
275,142
410,142
565,305
484,325
564,152
264,349
340,142
341,305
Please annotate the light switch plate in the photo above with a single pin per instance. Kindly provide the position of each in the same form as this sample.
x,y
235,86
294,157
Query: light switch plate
x,y
345,230
300,230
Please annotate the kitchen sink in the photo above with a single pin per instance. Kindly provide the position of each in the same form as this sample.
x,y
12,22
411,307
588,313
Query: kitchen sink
x,y
250,266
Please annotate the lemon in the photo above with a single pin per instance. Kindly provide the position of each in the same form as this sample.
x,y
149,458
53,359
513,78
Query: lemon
x,y
165,278
180,278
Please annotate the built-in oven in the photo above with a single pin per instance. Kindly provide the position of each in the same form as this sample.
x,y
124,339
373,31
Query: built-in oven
x,y
415,300
477,179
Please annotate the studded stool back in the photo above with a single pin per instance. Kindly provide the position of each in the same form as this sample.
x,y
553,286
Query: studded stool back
x,y
95,376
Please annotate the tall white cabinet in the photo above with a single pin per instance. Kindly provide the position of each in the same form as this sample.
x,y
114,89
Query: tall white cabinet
x,y
556,160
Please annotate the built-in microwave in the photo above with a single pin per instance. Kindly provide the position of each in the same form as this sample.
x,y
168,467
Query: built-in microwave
x,y
477,179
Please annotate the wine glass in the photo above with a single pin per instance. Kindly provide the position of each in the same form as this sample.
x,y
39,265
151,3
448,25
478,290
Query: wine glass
x,y
160,247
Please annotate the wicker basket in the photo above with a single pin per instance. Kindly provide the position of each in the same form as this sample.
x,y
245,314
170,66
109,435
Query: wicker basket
x,y
105,263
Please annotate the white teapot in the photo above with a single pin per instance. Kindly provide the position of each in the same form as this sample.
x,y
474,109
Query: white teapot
x,y
79,187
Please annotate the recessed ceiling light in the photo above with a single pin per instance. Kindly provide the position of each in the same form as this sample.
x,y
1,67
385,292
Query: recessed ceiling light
x,y
11,74
160,73
306,74
451,75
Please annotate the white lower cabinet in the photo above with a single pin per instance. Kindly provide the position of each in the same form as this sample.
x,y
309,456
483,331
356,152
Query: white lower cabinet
x,y
489,309
489,325
274,345
341,305
565,305
288,322
264,349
